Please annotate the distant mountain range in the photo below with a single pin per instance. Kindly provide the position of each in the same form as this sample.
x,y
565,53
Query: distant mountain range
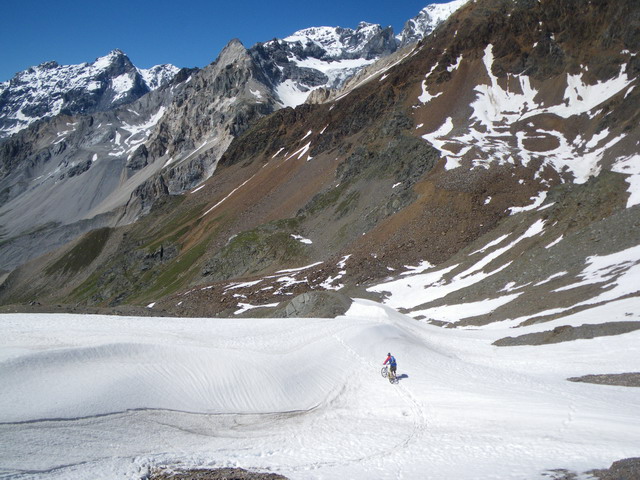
x,y
494,164
313,57
50,89
133,133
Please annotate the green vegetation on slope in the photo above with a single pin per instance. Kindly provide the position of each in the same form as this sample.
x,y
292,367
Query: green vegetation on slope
x,y
81,256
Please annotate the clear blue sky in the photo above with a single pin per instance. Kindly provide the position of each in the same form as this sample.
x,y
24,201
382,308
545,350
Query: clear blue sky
x,y
187,33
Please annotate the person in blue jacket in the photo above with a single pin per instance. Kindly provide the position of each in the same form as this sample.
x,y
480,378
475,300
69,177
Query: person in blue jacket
x,y
391,360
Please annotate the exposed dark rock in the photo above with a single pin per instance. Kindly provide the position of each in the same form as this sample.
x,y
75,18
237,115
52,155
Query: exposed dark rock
x,y
139,158
627,469
147,194
213,474
617,379
79,169
316,304
568,333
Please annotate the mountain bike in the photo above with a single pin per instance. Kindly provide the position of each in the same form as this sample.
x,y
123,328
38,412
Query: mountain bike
x,y
386,373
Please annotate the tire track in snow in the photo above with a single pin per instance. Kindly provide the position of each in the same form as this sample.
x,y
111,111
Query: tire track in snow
x,y
418,413
385,453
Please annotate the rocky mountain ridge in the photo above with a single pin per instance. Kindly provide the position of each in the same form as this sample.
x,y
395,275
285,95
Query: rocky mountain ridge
x,y
320,57
326,56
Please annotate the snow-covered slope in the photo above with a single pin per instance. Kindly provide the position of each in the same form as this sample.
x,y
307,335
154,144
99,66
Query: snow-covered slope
x,y
49,89
113,397
498,109
158,75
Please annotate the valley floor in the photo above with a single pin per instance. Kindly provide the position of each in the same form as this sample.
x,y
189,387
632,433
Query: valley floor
x,y
117,397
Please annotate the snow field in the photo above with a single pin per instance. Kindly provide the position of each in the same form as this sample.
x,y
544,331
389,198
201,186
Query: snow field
x,y
111,397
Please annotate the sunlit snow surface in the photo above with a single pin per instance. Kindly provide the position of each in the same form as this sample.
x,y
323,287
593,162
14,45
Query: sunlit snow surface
x,y
111,397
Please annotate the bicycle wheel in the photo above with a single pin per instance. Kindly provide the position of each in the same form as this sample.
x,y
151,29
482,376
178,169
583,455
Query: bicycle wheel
x,y
384,371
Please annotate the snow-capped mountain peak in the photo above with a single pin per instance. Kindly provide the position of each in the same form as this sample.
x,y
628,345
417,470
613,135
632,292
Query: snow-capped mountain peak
x,y
339,42
49,89
427,21
115,55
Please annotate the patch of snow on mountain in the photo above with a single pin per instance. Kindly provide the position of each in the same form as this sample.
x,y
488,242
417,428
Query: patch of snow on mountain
x,y
102,63
552,277
494,105
245,307
43,91
427,21
426,97
330,282
581,98
555,242
301,239
455,66
121,85
325,37
456,312
618,272
337,71
290,94
301,152
228,196
158,75
537,201
421,267
630,166
493,243
298,269
489,136
413,290
145,128
336,41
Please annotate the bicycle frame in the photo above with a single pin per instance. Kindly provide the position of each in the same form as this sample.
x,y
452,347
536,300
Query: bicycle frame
x,y
386,373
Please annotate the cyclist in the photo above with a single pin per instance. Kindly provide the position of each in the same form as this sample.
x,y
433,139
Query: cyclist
x,y
391,360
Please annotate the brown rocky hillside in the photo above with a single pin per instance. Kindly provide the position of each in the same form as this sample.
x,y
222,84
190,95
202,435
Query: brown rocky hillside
x,y
507,103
